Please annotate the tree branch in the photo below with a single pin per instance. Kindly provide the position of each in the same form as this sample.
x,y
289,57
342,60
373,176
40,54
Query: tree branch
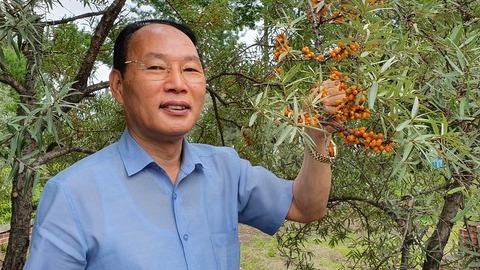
x,y
214,93
238,74
11,81
217,117
95,87
384,208
74,18
61,152
96,42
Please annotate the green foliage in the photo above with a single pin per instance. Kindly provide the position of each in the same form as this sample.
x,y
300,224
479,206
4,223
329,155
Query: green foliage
x,y
422,91
45,122
62,59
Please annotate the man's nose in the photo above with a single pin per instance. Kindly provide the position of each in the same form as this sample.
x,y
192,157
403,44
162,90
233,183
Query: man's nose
x,y
175,80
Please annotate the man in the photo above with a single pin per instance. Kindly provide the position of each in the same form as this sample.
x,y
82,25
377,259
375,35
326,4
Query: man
x,y
154,200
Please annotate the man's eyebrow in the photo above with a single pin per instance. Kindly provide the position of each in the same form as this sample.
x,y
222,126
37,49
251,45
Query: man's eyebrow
x,y
164,56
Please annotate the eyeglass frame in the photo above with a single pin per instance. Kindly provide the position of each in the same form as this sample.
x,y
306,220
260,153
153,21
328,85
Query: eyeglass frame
x,y
168,70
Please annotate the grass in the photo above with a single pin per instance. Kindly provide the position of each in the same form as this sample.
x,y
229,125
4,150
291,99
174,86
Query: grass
x,y
259,252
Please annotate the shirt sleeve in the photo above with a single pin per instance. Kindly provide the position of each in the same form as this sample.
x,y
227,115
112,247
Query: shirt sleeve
x,y
57,242
264,199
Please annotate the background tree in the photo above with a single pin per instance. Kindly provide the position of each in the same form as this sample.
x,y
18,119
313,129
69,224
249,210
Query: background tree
x,y
417,64
60,113
51,82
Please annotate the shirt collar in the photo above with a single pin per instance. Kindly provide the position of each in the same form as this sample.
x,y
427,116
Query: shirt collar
x,y
135,158
190,158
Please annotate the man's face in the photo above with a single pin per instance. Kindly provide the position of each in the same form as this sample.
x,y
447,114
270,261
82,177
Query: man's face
x,y
163,87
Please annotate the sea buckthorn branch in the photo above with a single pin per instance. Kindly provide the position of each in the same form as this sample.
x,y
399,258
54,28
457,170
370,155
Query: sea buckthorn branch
x,y
320,12
352,109
349,110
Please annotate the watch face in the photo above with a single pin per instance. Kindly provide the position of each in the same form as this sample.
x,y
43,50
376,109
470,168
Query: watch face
x,y
332,149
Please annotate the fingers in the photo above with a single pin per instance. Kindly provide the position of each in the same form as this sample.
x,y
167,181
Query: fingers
x,y
330,102
333,124
334,94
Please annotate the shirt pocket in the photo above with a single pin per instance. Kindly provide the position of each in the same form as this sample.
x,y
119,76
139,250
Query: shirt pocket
x,y
227,250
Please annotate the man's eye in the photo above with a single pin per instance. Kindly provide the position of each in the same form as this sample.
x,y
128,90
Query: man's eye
x,y
153,67
190,70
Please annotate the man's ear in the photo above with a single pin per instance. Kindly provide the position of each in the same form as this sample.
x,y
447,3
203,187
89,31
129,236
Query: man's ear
x,y
116,85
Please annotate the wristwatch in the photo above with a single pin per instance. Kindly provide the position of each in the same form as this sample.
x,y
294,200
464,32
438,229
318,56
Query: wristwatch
x,y
332,153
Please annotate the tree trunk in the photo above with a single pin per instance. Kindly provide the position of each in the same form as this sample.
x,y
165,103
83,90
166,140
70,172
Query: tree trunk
x,y
21,197
439,238
406,247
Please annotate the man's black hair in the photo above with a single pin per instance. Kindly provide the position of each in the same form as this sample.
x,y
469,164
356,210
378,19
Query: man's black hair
x,y
123,40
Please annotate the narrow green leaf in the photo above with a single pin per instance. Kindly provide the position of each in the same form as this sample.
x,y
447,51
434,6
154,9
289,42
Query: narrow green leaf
x,y
295,109
50,121
461,59
372,95
453,65
291,73
407,151
434,126
399,165
292,135
285,133
300,18
364,54
461,109
258,99
387,64
455,190
403,125
468,40
283,55
456,34
21,167
252,119
36,177
402,172
415,106
14,171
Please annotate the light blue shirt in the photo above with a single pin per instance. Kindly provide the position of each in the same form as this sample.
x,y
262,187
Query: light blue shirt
x,y
117,209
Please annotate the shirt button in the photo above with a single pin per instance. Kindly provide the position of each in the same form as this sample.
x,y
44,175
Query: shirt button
x,y
174,196
185,237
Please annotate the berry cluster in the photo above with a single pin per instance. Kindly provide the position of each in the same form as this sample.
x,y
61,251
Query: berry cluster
x,y
352,107
281,46
343,50
321,14
308,54
370,140
303,117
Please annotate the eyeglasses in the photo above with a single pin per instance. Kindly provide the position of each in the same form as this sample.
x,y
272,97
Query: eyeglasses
x,y
157,69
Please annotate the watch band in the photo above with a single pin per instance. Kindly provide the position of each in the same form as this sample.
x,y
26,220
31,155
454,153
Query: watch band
x,y
321,158
332,150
